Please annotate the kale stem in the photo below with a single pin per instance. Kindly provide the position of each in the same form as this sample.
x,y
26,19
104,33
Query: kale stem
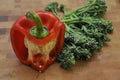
x,y
69,20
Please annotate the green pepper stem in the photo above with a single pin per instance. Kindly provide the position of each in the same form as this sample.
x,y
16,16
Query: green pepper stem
x,y
35,17
38,22
39,30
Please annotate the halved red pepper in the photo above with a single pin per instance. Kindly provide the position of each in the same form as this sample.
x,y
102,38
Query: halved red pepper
x,y
50,44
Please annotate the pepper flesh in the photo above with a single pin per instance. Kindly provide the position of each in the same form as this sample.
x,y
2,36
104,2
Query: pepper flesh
x,y
20,32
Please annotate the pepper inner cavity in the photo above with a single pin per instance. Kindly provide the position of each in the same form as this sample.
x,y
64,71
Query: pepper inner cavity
x,y
35,49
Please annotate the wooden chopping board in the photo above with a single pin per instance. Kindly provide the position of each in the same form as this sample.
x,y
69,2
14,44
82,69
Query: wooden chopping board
x,y
104,65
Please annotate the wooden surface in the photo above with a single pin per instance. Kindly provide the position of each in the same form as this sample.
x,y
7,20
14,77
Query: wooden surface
x,y
104,65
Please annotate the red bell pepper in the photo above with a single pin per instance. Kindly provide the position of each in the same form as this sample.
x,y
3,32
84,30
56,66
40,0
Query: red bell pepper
x,y
37,41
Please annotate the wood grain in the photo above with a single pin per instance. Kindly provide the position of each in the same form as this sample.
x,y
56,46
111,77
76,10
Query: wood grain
x,y
104,65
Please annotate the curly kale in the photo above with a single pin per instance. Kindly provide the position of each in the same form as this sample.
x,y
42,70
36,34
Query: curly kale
x,y
52,7
67,58
86,31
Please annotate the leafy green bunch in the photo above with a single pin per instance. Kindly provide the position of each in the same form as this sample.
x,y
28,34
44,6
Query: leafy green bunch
x,y
86,31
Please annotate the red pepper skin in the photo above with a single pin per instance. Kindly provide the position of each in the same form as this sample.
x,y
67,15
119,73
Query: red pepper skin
x,y
21,28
